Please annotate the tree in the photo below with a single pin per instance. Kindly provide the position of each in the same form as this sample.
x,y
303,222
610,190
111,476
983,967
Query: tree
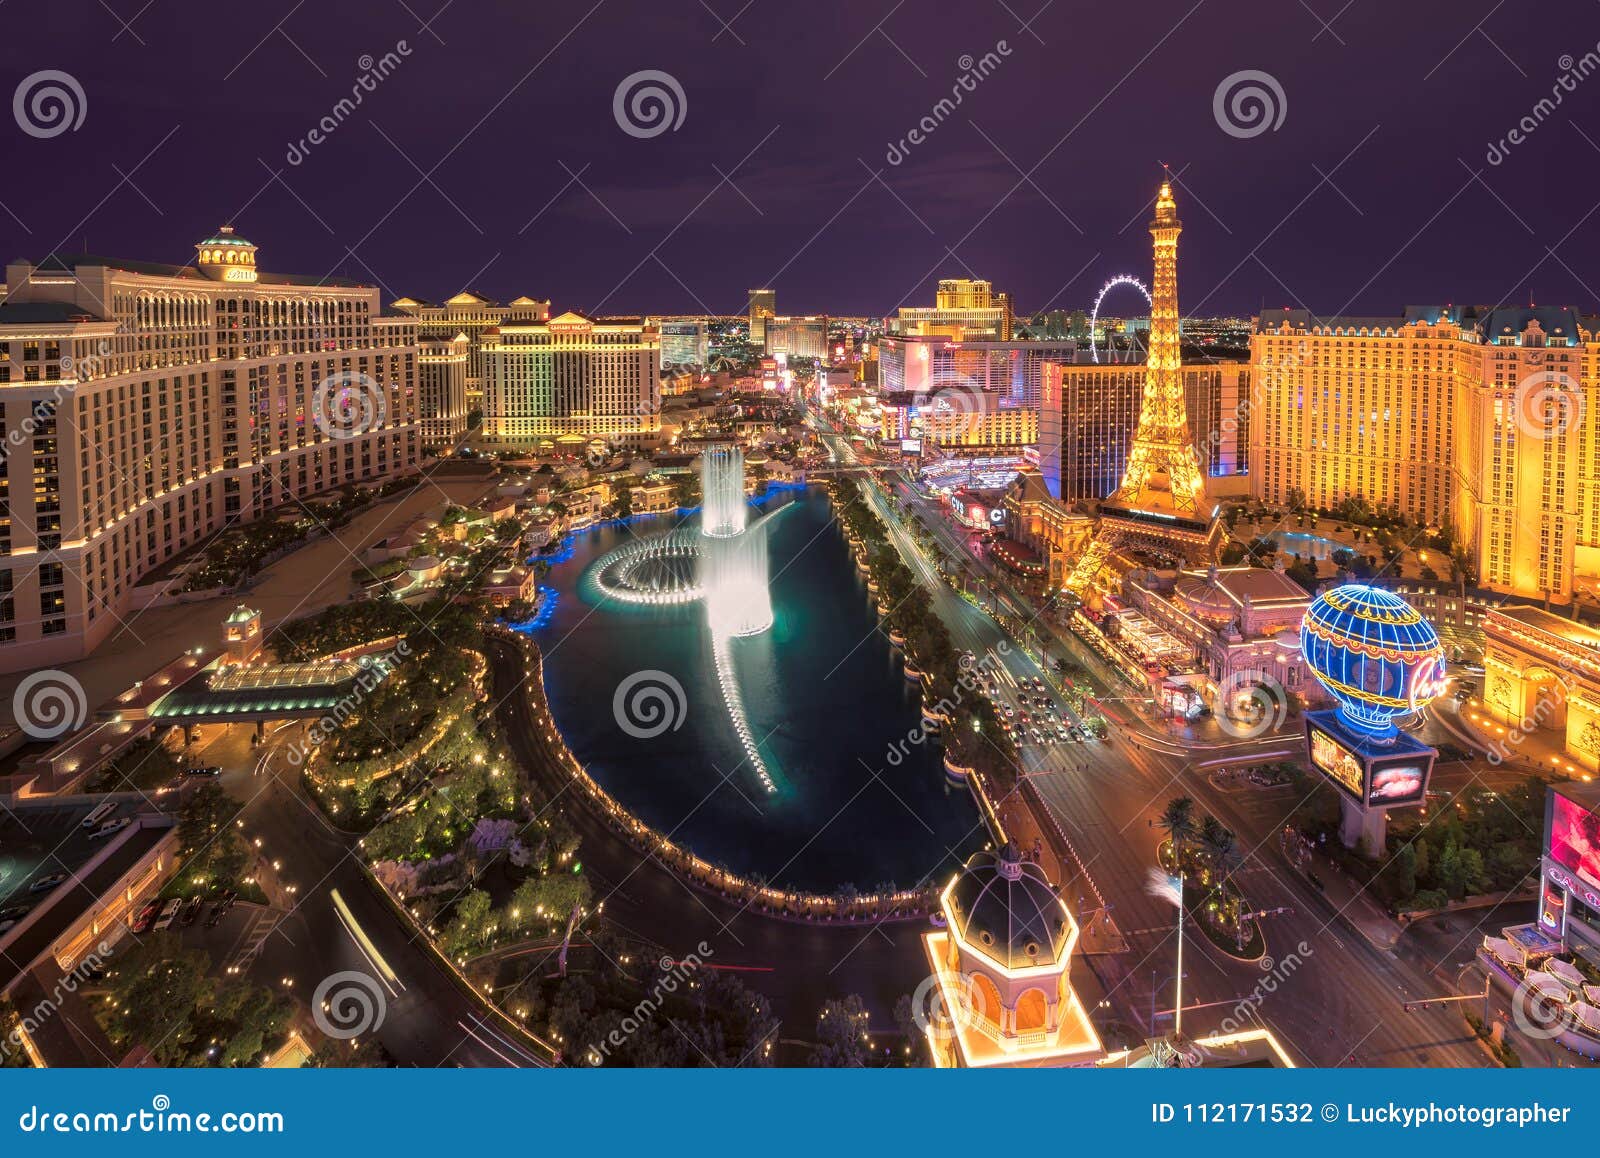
x,y
841,1034
1217,844
208,839
1177,819
155,990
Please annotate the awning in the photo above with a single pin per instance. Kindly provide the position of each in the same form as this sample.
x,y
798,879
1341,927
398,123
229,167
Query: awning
x,y
1568,975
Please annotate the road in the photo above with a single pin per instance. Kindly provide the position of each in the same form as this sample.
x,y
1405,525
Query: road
x,y
336,920
1334,999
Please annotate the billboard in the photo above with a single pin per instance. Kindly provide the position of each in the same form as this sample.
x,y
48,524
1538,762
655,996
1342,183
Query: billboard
x,y
911,446
1338,762
1399,782
1575,838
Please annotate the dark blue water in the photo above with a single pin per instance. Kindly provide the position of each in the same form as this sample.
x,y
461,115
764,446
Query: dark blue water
x,y
825,695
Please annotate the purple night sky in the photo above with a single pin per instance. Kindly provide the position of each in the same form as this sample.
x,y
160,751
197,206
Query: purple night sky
x,y
491,158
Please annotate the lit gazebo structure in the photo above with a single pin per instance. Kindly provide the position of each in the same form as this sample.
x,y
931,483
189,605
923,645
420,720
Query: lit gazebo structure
x,y
1379,659
1002,965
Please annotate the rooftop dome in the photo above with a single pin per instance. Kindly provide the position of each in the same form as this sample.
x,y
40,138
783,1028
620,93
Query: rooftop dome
x,y
1005,908
1205,597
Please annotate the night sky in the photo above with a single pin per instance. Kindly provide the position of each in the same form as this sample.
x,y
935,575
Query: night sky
x,y
493,160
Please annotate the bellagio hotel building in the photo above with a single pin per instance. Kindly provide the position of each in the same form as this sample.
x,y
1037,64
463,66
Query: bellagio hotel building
x,y
146,407
1480,420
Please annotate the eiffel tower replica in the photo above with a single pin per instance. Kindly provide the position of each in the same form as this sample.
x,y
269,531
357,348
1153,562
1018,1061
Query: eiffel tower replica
x,y
1159,516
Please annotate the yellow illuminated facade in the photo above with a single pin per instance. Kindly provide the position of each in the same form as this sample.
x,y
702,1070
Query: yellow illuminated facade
x,y
573,378
442,402
1479,421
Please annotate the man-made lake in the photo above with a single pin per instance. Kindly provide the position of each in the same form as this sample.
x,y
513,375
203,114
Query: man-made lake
x,y
825,696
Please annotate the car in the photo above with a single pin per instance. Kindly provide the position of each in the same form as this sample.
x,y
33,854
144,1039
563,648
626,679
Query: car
x,y
191,911
6,926
15,913
169,913
110,828
147,917
98,814
45,884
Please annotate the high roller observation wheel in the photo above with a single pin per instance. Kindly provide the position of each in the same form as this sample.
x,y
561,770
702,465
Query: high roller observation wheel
x,y
1122,279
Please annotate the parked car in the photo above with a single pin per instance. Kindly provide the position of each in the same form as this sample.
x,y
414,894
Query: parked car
x,y
191,911
147,916
169,913
99,813
45,884
110,828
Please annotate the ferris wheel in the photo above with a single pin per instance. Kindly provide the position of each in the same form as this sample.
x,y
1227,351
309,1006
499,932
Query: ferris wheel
x,y
1118,282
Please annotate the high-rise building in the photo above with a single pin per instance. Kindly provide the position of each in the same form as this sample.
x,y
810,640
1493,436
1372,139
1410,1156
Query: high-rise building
x,y
145,407
573,380
473,315
931,364
965,309
684,342
798,337
1467,418
442,389
1090,411
763,305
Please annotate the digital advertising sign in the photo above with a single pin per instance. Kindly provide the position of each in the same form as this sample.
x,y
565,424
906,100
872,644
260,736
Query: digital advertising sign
x,y
1575,838
1395,783
1338,762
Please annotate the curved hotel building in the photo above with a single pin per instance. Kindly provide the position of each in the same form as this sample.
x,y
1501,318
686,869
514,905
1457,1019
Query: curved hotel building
x,y
146,407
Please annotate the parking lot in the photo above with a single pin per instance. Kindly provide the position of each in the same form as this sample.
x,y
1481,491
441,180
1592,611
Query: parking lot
x,y
37,843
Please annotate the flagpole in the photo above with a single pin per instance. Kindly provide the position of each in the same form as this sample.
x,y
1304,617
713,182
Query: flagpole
x,y
1177,1011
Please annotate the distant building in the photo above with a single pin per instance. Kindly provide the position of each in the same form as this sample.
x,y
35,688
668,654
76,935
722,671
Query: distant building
x,y
572,381
798,337
763,305
442,407
965,309
144,407
684,342
935,364
473,315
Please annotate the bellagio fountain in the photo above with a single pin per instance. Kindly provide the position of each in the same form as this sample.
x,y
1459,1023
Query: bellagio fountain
x,y
722,564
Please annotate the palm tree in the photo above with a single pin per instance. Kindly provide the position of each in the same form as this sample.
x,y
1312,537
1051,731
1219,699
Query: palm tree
x,y
1217,845
1178,821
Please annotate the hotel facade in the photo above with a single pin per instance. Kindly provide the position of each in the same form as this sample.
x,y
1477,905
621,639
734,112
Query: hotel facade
x,y
1463,418
442,403
1089,412
473,315
572,381
145,407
